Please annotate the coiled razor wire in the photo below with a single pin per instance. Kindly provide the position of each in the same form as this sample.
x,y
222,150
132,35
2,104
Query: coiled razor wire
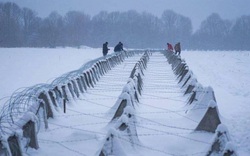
x,y
22,101
18,104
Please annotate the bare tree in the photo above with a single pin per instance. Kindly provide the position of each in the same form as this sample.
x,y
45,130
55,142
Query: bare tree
x,y
177,28
10,31
240,33
51,31
30,27
213,32
77,28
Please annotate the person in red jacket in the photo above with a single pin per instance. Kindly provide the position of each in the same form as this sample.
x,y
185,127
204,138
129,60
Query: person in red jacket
x,y
170,47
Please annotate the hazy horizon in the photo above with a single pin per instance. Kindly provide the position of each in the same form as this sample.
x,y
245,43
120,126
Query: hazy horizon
x,y
197,11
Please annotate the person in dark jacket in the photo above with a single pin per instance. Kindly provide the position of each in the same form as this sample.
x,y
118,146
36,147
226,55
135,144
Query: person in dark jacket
x,y
177,48
118,47
105,49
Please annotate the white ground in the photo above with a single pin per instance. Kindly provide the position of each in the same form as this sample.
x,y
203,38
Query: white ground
x,y
227,72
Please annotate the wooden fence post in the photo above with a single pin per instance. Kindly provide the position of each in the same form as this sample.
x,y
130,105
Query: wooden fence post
x,y
52,98
42,105
120,109
83,83
3,150
14,146
29,131
71,89
210,120
48,108
79,85
86,79
64,105
75,89
64,93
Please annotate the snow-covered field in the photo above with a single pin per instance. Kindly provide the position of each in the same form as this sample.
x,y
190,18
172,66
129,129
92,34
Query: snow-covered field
x,y
228,73
25,67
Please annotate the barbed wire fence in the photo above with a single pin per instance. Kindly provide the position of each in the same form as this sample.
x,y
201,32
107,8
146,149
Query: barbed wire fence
x,y
21,115
42,101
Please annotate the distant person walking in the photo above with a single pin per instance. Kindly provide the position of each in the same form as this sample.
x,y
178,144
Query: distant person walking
x,y
118,47
105,48
177,48
170,47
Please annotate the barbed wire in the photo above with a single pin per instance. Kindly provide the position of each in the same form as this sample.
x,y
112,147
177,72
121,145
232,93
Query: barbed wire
x,y
102,95
160,97
86,124
78,129
95,103
64,146
157,150
161,124
87,114
101,115
170,111
175,134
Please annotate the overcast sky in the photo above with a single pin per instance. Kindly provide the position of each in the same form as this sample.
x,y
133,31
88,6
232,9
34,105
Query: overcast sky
x,y
197,10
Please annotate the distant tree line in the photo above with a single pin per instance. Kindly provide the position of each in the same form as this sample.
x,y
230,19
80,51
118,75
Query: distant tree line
x,y
21,27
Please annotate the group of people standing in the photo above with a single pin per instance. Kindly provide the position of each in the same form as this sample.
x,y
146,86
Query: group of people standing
x,y
177,48
119,47
105,49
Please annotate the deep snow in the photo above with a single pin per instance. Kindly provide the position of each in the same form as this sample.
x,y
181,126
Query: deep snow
x,y
25,67
226,72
